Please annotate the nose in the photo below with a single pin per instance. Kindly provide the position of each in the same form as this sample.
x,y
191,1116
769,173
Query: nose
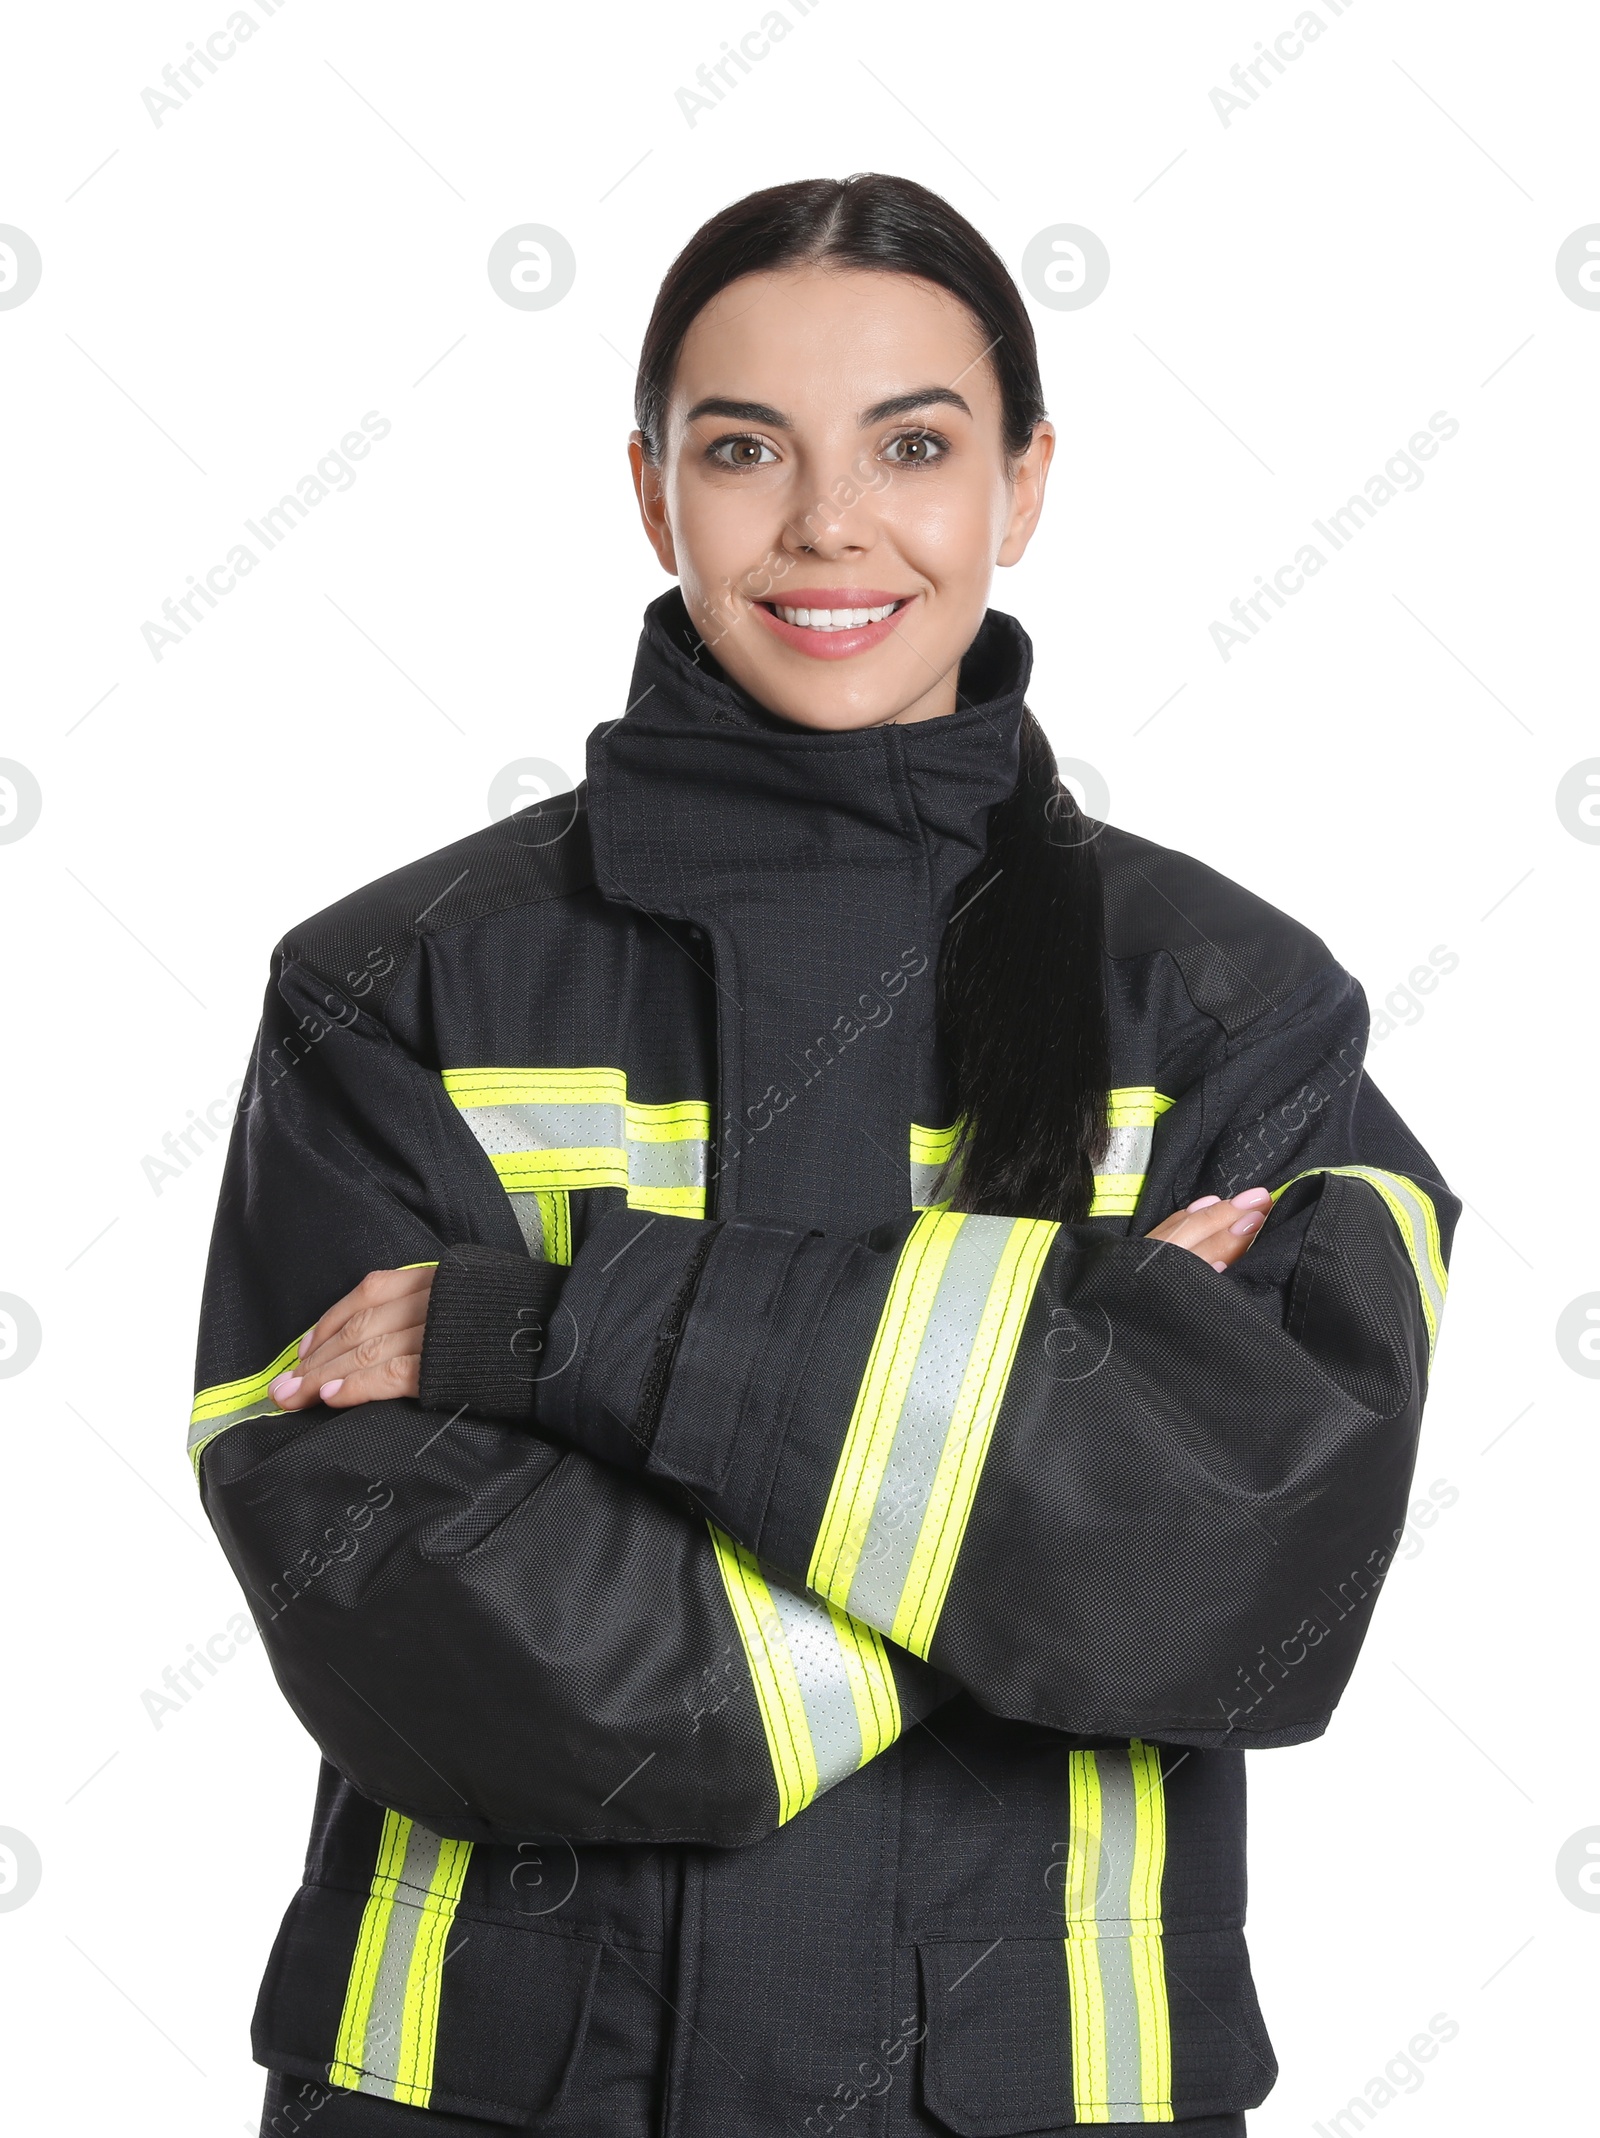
x,y
831,529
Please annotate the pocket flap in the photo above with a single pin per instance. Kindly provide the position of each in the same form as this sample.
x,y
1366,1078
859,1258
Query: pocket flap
x,y
482,2018
1036,2034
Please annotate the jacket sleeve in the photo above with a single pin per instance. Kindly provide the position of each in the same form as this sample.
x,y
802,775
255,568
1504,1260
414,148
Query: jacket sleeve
x,y
501,1638
1105,1488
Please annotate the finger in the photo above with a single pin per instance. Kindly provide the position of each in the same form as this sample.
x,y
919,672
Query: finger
x,y
377,1287
1226,1251
398,1375
367,1322
1211,1227
1241,1232
372,1353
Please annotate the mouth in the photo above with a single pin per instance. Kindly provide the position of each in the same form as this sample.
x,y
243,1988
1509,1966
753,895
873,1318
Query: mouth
x,y
831,623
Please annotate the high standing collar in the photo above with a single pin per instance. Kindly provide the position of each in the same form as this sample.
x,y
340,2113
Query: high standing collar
x,y
697,783
823,867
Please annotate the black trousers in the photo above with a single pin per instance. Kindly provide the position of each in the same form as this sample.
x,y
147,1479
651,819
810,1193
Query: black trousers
x,y
294,2106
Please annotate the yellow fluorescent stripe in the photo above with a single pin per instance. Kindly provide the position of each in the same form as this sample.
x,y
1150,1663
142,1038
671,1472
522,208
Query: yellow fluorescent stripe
x,y
669,1202
234,1395
1116,1194
878,1403
347,2068
1136,1106
872,1686
564,1172
1085,1989
681,1121
672,1121
419,2028
555,1224
1083,1846
777,1689
573,1166
971,1429
524,1087
932,1146
1147,1953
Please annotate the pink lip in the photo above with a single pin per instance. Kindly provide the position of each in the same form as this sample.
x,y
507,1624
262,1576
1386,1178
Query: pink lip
x,y
834,645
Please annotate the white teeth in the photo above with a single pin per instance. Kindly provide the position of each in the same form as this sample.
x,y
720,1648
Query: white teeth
x,y
835,619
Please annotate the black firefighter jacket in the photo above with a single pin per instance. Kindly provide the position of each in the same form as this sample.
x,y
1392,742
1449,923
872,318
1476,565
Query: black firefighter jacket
x,y
808,1693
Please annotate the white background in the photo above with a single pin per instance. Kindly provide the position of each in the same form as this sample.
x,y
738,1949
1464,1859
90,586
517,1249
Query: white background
x,y
1292,295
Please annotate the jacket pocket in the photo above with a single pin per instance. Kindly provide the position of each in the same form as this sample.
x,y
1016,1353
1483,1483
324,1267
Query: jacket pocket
x,y
1040,2034
398,1994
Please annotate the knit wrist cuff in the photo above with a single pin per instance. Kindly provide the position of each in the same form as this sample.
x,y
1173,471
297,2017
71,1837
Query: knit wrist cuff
x,y
483,1347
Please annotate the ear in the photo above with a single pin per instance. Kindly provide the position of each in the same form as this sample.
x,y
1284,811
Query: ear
x,y
1028,479
650,490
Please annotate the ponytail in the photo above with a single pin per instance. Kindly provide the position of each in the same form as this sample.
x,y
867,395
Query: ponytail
x,y
1022,1008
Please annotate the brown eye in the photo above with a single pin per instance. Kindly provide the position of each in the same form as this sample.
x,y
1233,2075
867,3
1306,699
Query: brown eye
x,y
917,449
741,453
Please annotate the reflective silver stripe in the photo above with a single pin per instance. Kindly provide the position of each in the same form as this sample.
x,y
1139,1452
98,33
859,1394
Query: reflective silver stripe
x,y
1118,1835
540,1126
819,1666
1128,1150
206,1429
924,1422
589,1125
530,1223
385,2033
924,1178
667,1165
1424,1230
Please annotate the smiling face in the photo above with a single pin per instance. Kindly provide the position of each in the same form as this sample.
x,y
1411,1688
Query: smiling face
x,y
834,491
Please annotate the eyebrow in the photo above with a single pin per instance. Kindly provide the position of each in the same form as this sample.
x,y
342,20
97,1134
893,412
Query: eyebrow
x,y
900,404
905,404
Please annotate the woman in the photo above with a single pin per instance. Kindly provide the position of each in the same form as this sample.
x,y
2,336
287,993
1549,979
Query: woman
x,y
785,1543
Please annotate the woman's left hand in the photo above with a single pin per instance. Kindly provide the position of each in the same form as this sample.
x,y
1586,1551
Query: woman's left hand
x,y
366,1348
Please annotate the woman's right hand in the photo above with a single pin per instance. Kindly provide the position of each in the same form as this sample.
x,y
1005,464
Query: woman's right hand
x,y
1217,1231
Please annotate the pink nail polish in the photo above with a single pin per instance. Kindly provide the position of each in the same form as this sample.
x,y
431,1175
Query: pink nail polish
x,y
1220,1267
1251,1198
1205,1202
330,1389
284,1387
1247,1224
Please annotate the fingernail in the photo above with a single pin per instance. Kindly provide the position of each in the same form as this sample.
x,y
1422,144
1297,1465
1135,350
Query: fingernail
x,y
1205,1202
330,1389
1252,1199
284,1386
1221,1268
1247,1224
304,1344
